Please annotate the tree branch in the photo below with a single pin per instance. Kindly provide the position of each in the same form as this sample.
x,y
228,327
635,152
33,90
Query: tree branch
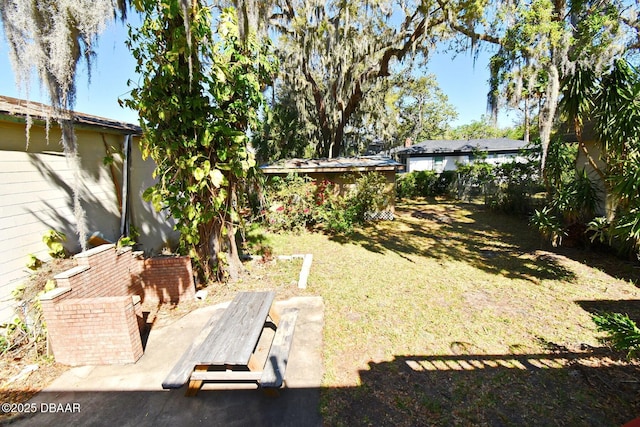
x,y
317,98
475,36
469,32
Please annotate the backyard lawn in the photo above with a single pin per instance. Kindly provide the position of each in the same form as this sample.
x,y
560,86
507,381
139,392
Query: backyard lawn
x,y
451,315
456,315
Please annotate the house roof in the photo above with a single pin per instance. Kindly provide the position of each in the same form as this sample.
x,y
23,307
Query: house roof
x,y
16,110
462,146
338,164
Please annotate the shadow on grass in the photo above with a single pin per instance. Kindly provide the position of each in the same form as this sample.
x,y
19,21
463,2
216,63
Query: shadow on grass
x,y
493,242
563,388
629,307
496,390
605,260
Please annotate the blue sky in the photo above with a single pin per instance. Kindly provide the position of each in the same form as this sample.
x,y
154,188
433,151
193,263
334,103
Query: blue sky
x,y
464,83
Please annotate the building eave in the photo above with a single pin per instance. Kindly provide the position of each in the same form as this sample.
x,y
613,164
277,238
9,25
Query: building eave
x,y
459,153
14,110
334,165
279,171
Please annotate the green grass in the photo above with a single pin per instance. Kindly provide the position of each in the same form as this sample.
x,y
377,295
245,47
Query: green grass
x,y
425,315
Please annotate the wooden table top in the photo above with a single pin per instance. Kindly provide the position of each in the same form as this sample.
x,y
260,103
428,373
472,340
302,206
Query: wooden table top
x,y
236,334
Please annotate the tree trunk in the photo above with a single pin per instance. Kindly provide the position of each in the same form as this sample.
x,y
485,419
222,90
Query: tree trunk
x,y
527,125
548,113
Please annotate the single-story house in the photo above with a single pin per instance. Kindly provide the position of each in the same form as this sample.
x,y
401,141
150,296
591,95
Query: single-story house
x,y
338,169
443,155
37,188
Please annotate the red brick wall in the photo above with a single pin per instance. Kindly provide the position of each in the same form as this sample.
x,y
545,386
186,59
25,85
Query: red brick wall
x,y
93,331
167,280
97,319
111,272
114,273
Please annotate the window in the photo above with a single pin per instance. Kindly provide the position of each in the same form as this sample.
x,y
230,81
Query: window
x,y
438,163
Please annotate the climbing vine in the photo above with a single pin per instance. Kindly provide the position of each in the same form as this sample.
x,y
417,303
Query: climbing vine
x,y
199,96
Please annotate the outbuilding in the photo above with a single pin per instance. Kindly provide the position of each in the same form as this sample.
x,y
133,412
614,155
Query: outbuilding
x,y
341,171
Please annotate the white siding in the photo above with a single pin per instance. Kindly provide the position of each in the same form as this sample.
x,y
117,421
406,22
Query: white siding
x,y
36,195
415,164
156,230
448,163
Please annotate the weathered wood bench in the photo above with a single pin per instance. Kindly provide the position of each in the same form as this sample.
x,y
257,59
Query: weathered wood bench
x,y
224,349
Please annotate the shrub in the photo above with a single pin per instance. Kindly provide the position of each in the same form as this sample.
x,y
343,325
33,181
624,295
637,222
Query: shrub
x,y
578,199
570,213
548,225
514,187
425,183
295,203
291,203
369,195
341,220
471,180
444,183
622,332
416,184
406,186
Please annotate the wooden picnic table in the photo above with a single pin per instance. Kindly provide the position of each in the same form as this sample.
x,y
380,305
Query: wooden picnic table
x,y
224,349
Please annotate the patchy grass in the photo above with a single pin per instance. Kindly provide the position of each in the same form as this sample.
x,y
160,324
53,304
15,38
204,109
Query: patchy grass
x,y
454,315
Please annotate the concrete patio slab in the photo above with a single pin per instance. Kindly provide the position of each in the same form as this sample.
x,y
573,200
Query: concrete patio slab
x,y
124,395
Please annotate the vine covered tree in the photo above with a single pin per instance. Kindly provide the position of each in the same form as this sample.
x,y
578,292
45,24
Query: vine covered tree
x,y
196,102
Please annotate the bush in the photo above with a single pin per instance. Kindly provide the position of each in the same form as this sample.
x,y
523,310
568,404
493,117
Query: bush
x,y
425,183
341,220
292,204
622,333
548,225
416,184
572,207
295,203
370,195
471,180
514,187
444,184
406,186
